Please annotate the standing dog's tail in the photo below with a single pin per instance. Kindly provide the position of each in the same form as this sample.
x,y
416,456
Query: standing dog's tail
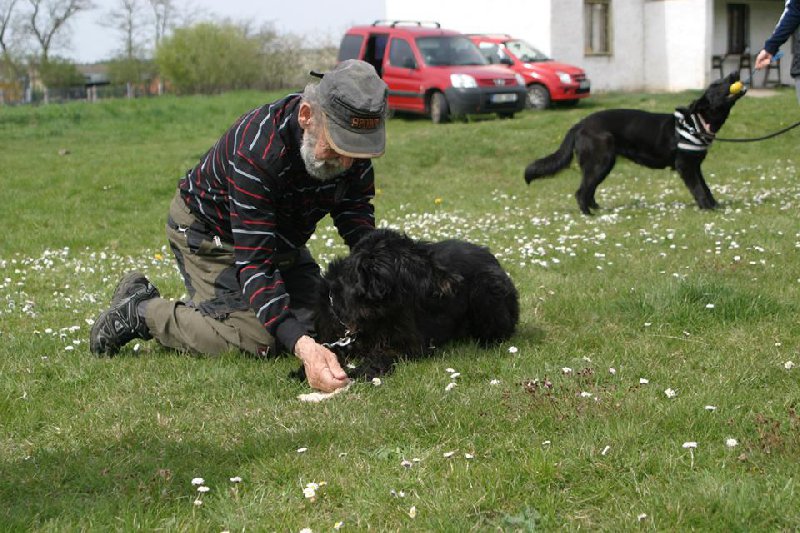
x,y
558,160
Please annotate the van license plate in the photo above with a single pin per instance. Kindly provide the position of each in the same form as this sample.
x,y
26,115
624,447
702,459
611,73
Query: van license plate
x,y
584,84
503,98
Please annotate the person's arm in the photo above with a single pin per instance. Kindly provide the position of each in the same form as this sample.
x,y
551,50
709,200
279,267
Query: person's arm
x,y
253,222
787,24
353,215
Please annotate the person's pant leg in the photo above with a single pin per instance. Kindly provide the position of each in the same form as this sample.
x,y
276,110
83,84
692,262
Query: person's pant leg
x,y
797,88
216,319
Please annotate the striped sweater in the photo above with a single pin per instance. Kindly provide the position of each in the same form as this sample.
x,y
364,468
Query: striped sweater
x,y
251,189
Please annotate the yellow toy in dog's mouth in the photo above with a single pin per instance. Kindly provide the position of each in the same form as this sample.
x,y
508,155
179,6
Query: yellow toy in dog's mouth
x,y
737,87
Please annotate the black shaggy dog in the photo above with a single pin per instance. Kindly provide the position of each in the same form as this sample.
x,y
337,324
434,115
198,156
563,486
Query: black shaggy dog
x,y
679,140
398,297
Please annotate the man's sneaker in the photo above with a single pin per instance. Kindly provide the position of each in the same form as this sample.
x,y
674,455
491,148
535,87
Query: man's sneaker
x,y
130,284
121,323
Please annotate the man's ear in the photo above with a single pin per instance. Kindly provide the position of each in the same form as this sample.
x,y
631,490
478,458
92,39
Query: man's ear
x,y
304,115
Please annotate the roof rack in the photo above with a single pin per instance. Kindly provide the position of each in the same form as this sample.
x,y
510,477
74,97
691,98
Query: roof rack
x,y
395,23
491,35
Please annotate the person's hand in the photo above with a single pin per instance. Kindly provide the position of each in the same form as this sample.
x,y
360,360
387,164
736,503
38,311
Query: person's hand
x,y
323,371
763,59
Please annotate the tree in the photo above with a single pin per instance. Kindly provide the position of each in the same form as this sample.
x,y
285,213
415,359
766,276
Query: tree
x,y
6,16
210,58
60,73
162,15
49,17
129,67
10,69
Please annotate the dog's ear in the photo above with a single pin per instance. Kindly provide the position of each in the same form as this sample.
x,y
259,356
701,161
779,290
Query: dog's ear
x,y
374,278
445,283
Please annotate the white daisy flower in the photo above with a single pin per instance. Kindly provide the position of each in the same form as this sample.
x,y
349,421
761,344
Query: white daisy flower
x,y
788,365
710,407
236,479
731,442
202,489
643,381
198,481
450,386
302,450
513,349
670,393
690,445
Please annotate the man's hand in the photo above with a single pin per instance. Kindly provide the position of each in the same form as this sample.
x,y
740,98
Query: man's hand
x,y
763,59
322,369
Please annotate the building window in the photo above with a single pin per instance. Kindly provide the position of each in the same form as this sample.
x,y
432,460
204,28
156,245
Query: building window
x,y
597,20
738,28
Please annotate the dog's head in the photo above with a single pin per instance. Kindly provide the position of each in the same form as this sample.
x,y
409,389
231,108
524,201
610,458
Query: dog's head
x,y
386,275
715,104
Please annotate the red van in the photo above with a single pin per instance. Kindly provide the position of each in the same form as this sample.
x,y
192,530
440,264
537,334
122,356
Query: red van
x,y
433,71
547,80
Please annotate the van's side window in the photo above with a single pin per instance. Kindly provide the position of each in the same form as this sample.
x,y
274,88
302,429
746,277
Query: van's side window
x,y
401,55
350,47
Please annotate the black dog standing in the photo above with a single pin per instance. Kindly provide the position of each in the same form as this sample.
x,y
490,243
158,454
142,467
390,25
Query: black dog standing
x,y
680,141
396,297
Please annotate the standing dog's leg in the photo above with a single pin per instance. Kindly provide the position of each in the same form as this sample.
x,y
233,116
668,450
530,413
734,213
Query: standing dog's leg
x,y
688,166
596,157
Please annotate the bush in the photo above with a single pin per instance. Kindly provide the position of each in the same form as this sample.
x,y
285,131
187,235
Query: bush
x,y
209,58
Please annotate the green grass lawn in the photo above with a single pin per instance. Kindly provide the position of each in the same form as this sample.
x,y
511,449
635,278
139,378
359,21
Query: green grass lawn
x,y
643,328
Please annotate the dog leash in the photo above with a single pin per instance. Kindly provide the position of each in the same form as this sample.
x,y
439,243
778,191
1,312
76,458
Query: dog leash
x,y
776,57
762,138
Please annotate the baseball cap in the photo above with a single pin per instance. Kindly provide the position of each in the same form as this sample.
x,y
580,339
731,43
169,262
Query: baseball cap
x,y
353,99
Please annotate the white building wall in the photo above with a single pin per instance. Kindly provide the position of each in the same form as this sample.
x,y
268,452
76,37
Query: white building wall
x,y
623,68
527,19
676,44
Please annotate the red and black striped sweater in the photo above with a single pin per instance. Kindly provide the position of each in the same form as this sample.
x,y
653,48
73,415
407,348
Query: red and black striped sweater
x,y
251,189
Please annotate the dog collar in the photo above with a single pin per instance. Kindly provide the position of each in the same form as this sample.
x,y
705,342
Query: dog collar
x,y
692,131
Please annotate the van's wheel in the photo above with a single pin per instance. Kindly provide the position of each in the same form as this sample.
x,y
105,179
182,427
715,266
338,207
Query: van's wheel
x,y
538,96
440,109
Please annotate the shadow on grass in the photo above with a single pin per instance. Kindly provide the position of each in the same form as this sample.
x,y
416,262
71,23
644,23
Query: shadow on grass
x,y
96,485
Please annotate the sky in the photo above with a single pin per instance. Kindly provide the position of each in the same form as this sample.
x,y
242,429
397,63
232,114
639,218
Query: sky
x,y
320,20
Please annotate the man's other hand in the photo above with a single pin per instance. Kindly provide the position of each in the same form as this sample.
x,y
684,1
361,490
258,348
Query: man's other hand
x,y
323,371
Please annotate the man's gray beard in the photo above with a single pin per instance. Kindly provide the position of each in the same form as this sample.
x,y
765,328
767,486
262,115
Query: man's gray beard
x,y
321,170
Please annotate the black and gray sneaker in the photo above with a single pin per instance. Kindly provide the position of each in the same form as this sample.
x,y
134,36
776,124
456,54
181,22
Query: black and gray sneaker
x,y
122,323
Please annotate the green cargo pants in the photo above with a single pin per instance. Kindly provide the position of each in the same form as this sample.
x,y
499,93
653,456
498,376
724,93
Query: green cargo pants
x,y
216,318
